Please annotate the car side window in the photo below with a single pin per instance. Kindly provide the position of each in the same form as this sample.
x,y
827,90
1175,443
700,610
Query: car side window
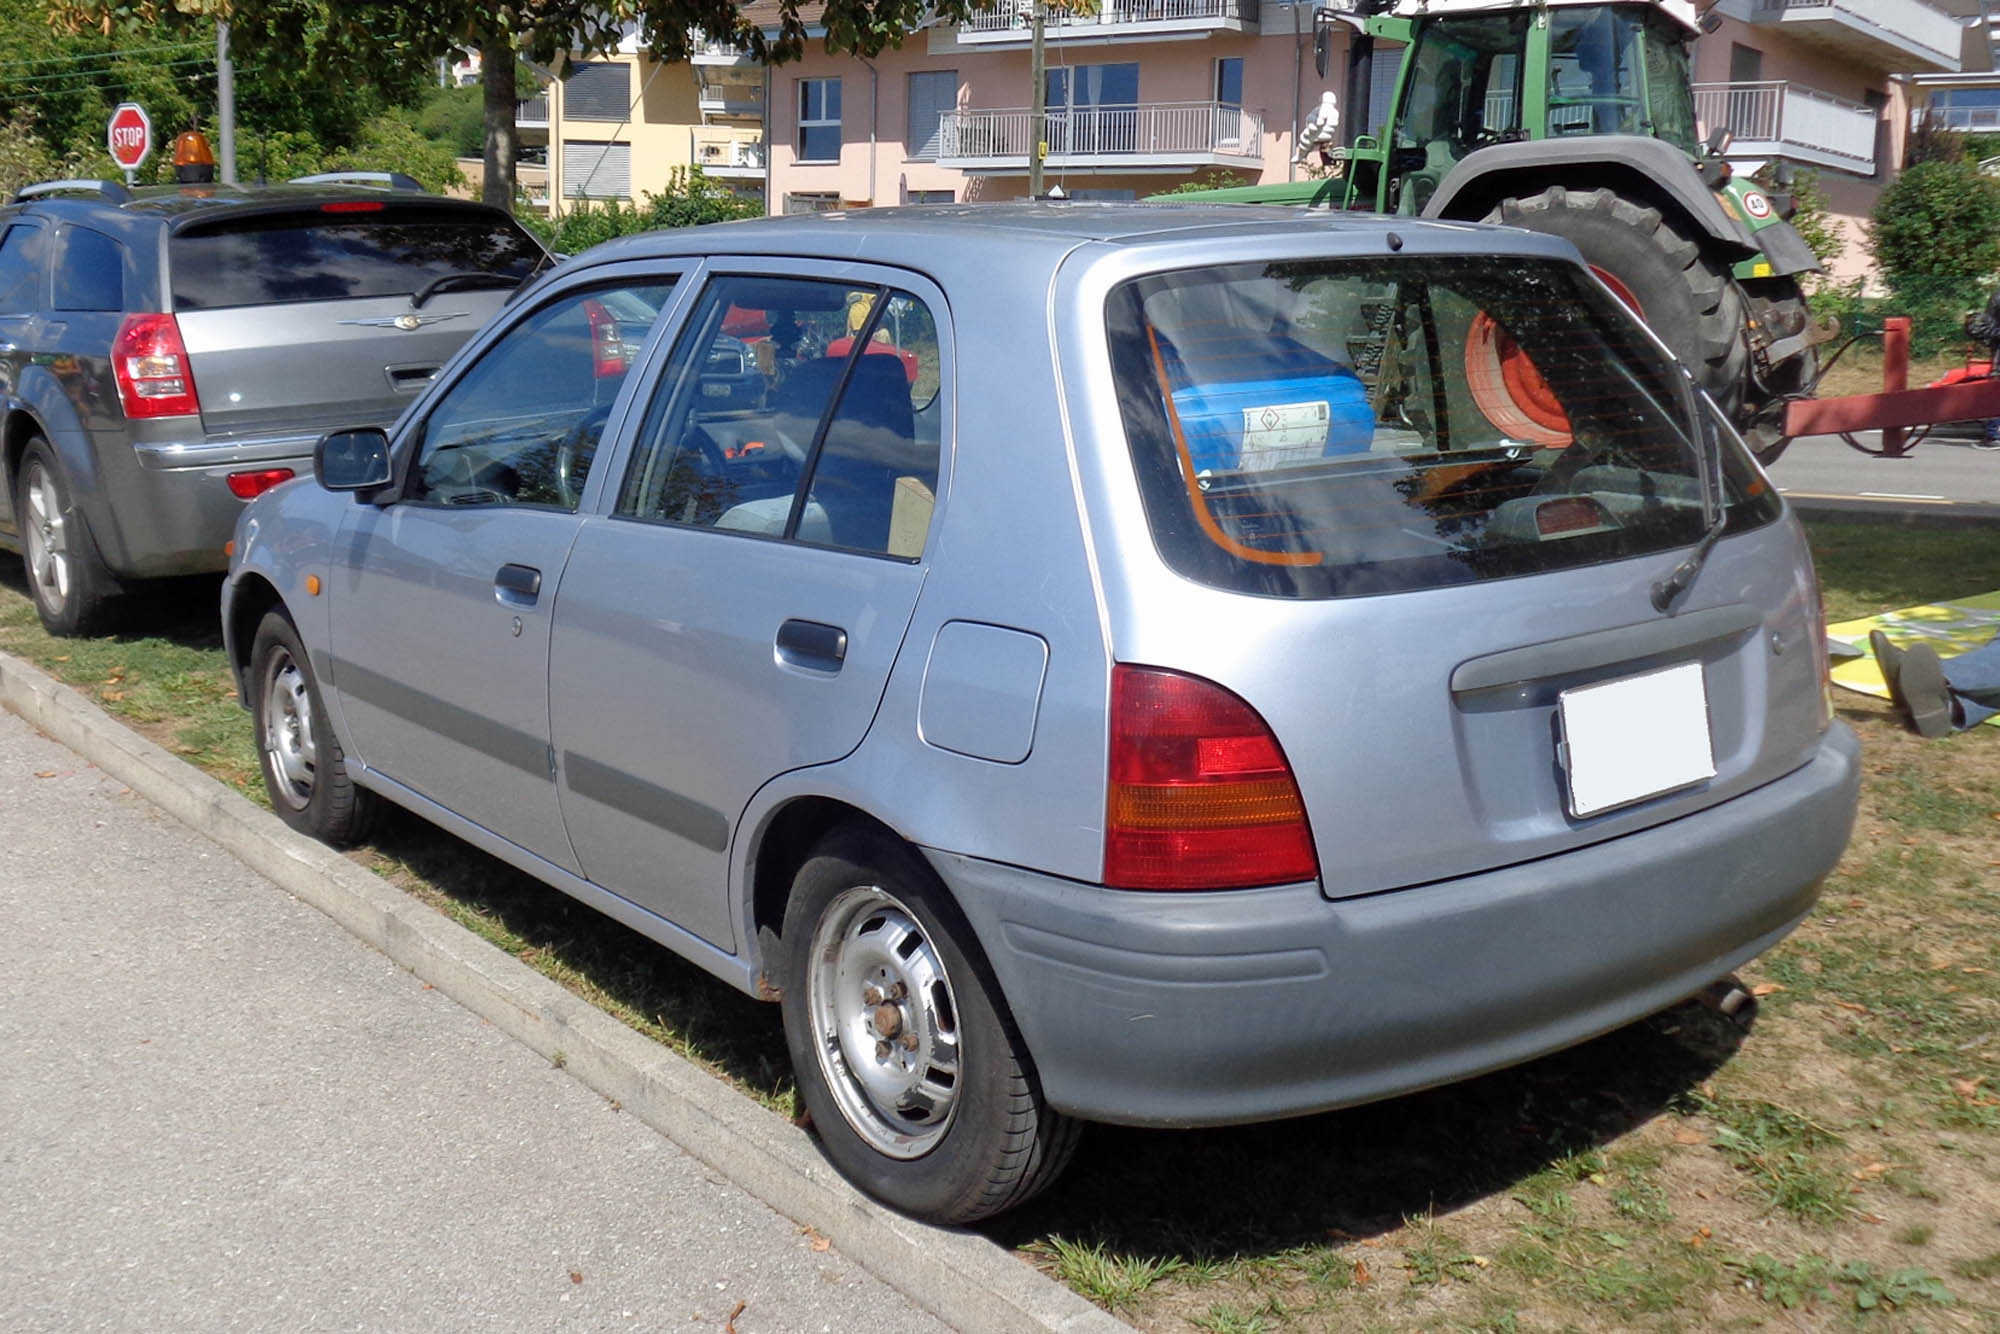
x,y
799,409
522,426
89,272
22,250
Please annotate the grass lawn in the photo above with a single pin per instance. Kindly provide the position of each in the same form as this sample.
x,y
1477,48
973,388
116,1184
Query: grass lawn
x,y
1835,1166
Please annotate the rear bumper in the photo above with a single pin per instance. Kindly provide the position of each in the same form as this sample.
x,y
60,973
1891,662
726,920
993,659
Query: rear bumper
x,y
1205,1009
171,506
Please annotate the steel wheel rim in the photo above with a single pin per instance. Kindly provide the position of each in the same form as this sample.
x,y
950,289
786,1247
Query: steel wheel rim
x,y
884,1022
290,753
48,542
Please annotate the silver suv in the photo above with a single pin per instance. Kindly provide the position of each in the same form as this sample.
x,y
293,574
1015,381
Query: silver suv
x,y
1160,665
166,354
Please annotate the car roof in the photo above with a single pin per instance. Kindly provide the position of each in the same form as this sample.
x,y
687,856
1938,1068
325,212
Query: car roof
x,y
176,205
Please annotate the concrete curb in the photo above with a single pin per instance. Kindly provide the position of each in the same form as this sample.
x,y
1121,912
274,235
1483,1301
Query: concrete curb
x,y
961,1278
1858,509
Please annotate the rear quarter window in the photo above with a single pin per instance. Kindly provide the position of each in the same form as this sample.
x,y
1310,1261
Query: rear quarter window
x,y
363,249
1332,428
90,272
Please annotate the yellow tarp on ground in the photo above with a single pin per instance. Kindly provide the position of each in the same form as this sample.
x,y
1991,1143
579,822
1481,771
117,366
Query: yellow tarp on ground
x,y
1951,628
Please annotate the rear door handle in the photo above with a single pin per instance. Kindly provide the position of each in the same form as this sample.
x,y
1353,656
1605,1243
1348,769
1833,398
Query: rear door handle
x,y
811,644
518,585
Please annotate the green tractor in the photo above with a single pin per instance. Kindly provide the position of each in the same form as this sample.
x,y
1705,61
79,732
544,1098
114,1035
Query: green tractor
x,y
1577,119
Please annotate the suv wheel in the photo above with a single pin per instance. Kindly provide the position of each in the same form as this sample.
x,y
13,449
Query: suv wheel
x,y
918,1084
68,580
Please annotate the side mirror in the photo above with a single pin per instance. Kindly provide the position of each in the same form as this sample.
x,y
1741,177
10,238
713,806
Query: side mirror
x,y
1322,42
355,460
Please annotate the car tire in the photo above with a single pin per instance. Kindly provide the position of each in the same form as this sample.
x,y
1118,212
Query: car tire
x,y
66,577
918,1084
305,772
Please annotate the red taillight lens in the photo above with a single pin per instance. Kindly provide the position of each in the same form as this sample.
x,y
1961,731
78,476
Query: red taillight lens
x,y
609,358
250,485
150,364
1201,796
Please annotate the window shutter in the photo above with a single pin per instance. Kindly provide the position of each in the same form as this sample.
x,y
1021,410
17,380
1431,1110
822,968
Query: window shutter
x,y
596,170
932,93
598,90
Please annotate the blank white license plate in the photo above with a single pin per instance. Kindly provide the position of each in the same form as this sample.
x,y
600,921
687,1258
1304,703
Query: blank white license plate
x,y
1636,737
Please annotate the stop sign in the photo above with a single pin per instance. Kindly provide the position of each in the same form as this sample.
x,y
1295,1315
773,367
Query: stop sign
x,y
130,137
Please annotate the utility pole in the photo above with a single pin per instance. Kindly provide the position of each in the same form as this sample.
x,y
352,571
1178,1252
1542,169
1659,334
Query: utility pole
x,y
1038,107
225,106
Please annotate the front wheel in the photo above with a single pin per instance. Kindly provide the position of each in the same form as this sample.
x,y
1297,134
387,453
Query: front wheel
x,y
920,1088
305,772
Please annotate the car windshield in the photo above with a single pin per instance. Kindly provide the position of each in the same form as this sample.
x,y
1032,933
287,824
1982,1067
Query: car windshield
x,y
347,249
1329,428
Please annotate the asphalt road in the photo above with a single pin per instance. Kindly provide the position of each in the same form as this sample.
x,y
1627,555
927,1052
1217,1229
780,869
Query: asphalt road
x,y
223,1112
1941,472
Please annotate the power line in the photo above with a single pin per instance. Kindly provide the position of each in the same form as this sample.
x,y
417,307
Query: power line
x,y
104,55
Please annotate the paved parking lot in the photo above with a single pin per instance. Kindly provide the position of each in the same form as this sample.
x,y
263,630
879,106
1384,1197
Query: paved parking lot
x,y
223,1112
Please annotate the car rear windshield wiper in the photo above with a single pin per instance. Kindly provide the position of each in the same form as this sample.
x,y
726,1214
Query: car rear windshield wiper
x,y
476,278
1708,455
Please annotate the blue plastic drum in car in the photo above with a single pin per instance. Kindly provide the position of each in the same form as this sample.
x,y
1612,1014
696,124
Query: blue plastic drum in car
x,y
1256,402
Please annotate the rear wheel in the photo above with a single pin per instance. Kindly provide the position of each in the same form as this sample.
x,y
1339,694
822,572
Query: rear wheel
x,y
67,578
920,1088
1685,296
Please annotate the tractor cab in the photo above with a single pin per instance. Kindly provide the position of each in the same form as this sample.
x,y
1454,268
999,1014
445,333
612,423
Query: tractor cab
x,y
1484,72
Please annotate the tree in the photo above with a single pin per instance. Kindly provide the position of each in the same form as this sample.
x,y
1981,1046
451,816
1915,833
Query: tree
x,y
340,37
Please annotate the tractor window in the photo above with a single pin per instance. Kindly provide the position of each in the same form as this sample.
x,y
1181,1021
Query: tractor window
x,y
1463,92
1669,90
1613,71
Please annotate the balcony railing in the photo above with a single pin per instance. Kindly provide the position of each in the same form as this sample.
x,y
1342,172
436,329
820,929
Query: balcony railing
x,y
1888,33
1957,118
724,151
532,111
1159,133
1769,119
1017,18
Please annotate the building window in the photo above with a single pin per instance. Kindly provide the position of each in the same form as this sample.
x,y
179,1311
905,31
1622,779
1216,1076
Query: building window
x,y
1093,109
819,120
598,90
1229,81
596,170
932,197
932,94
811,201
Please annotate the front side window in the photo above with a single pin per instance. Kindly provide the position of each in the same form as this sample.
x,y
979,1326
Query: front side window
x,y
819,120
1332,428
522,426
797,409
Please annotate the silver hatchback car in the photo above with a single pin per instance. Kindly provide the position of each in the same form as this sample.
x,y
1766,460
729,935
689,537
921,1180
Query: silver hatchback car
x,y
1143,664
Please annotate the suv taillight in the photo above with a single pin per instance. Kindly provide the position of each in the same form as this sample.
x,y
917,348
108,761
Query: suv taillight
x,y
1201,796
150,363
609,356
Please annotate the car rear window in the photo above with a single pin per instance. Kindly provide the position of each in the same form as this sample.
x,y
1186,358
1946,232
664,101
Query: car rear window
x,y
1332,428
365,250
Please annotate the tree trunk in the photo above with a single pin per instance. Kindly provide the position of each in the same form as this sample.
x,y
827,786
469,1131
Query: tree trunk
x,y
496,76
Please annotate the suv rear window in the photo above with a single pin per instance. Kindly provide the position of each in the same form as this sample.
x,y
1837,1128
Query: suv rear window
x,y
1331,428
363,250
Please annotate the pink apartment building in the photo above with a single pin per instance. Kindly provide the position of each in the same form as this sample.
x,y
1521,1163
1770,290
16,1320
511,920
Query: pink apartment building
x,y
1144,95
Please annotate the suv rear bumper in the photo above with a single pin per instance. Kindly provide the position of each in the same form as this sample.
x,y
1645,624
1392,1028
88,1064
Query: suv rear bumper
x,y
175,511
1212,1008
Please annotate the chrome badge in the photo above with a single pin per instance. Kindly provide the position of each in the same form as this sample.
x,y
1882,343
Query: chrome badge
x,y
408,320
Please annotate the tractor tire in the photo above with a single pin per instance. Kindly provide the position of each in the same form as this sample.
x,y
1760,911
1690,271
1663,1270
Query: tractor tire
x,y
1685,296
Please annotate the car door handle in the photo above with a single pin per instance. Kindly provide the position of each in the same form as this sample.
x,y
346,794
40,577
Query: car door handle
x,y
823,648
519,585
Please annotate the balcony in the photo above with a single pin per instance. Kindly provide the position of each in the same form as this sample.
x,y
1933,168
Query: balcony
x,y
1158,136
1011,23
710,53
727,153
730,98
1898,36
1790,120
531,114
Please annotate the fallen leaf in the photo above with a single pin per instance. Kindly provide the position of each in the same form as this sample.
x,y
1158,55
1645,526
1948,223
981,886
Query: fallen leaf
x,y
1871,1218
1968,1088
63,658
45,773
1977,972
1361,1274
1870,1171
811,1234
1765,989
1689,1137
1595,1178
575,1277
1855,1006
114,695
1482,1262
729,1325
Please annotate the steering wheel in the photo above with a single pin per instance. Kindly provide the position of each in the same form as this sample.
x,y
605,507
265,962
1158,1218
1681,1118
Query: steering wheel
x,y
573,455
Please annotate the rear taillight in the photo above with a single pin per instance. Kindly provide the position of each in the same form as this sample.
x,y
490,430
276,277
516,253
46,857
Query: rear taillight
x,y
608,355
250,485
150,364
1201,796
